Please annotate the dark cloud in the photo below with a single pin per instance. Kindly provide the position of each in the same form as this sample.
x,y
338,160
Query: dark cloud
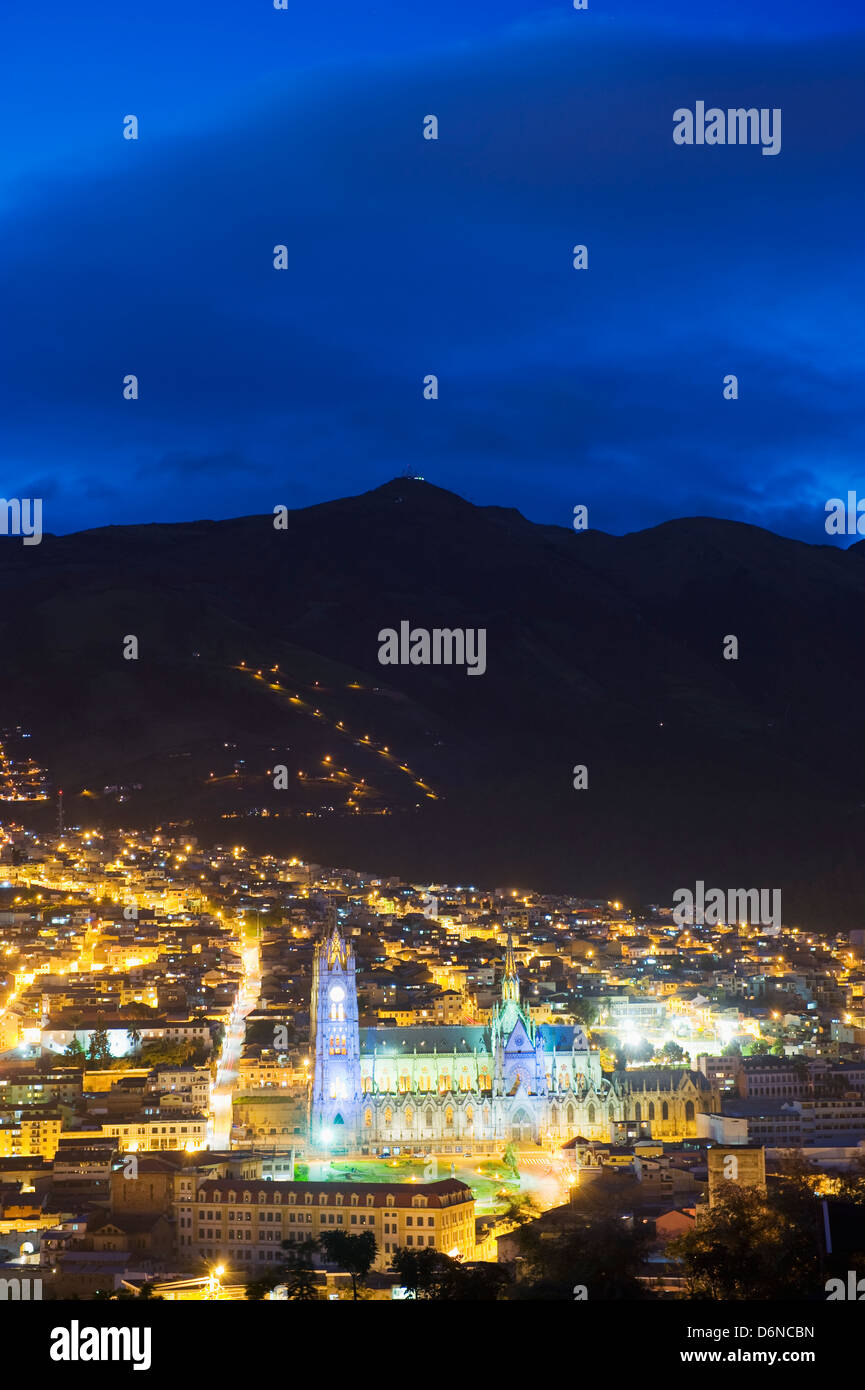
x,y
409,257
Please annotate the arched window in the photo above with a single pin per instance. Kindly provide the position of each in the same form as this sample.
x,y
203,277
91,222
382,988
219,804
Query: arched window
x,y
651,1110
409,1116
367,1118
367,1085
444,1083
591,1115
569,1114
612,1112
404,1082
665,1111
429,1118
449,1116
638,1112
424,1083
689,1110
470,1115
388,1116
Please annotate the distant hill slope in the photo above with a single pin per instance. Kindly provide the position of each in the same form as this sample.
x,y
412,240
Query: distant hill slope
x,y
601,650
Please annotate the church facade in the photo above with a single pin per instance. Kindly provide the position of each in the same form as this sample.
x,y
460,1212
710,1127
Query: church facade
x,y
466,1088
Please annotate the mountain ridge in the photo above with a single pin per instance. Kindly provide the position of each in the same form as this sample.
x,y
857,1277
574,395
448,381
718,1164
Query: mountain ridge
x,y
602,650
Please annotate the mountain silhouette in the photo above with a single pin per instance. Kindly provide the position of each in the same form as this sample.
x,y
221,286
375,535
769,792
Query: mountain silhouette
x,y
603,651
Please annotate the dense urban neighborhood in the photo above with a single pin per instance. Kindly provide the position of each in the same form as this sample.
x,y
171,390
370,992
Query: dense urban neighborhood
x,y
217,1067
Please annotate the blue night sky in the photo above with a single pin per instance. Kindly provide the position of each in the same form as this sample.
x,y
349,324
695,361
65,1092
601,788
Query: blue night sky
x,y
408,257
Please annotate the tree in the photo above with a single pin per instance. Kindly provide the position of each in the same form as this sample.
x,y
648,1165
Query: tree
x,y
481,1282
599,1250
585,1012
300,1284
731,1050
295,1273
428,1274
100,1045
509,1159
748,1247
758,1048
851,1183
521,1207
672,1052
134,1036
354,1253
75,1052
157,1052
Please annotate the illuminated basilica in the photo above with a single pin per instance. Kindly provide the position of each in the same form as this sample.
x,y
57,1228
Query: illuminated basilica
x,y
466,1088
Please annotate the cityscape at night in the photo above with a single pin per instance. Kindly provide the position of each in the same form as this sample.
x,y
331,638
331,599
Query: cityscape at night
x,y
218,1063
432,784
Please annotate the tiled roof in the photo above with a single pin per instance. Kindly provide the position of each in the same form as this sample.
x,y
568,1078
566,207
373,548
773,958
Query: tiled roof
x,y
278,1193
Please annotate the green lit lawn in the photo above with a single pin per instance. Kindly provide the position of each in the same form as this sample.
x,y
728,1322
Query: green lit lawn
x,y
486,1184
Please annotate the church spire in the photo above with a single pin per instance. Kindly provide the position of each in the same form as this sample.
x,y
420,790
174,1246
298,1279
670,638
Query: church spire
x,y
335,945
510,980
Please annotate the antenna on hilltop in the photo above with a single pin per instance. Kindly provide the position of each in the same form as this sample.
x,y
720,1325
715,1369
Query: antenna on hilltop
x,y
59,810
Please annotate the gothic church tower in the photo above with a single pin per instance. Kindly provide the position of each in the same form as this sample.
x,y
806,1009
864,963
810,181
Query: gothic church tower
x,y
335,1105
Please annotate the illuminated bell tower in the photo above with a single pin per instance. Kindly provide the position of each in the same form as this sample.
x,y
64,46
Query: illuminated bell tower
x,y
335,1038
